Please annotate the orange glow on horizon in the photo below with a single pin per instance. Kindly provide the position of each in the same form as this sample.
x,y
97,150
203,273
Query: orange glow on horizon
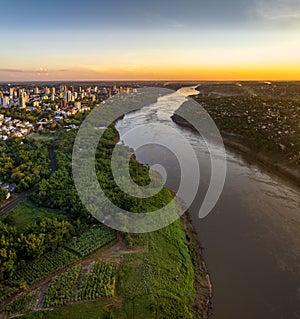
x,y
228,72
217,73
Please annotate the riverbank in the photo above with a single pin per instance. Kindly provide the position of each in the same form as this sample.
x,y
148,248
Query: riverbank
x,y
203,288
233,144
256,214
280,169
203,283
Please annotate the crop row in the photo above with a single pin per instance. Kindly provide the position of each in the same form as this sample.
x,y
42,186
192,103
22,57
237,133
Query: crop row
x,y
6,292
98,283
61,289
93,239
43,267
21,304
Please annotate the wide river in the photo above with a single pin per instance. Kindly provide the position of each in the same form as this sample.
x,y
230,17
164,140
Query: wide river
x,y
251,239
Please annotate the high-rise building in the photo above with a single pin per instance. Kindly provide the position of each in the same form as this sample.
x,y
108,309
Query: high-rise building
x,y
5,101
36,90
47,91
63,88
21,92
64,104
11,92
22,101
53,90
68,96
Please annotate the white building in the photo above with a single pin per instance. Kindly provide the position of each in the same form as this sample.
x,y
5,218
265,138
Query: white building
x,y
68,96
77,105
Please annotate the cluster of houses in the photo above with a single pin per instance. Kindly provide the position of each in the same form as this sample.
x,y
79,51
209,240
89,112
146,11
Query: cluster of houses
x,y
13,127
9,187
58,102
62,113
278,120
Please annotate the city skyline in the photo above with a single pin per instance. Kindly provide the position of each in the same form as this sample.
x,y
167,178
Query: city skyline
x,y
191,40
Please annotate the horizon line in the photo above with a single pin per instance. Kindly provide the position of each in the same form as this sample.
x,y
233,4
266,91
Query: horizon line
x,y
148,80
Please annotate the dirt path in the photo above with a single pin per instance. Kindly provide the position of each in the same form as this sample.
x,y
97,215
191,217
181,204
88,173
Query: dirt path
x,y
112,254
39,302
23,196
14,202
53,162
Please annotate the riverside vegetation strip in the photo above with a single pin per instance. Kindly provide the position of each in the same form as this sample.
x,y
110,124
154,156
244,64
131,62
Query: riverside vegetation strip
x,y
255,118
159,282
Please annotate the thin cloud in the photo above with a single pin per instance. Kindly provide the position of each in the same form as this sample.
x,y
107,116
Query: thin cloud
x,y
281,11
12,70
39,71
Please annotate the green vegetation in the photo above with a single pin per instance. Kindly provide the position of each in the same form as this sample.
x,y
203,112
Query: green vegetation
x,y
21,305
261,116
92,310
58,191
149,281
156,282
98,283
91,240
61,289
23,163
41,137
278,90
22,114
26,213
18,247
6,292
266,124
43,267
3,194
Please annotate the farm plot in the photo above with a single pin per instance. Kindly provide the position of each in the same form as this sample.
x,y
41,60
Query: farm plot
x,y
43,267
93,239
98,283
61,289
6,292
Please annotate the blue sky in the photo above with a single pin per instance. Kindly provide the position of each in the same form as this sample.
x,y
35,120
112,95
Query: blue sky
x,y
123,14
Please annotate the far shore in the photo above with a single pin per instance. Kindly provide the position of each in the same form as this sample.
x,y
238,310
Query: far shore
x,y
281,170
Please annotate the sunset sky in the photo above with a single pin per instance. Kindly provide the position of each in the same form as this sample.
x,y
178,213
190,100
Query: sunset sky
x,y
158,39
